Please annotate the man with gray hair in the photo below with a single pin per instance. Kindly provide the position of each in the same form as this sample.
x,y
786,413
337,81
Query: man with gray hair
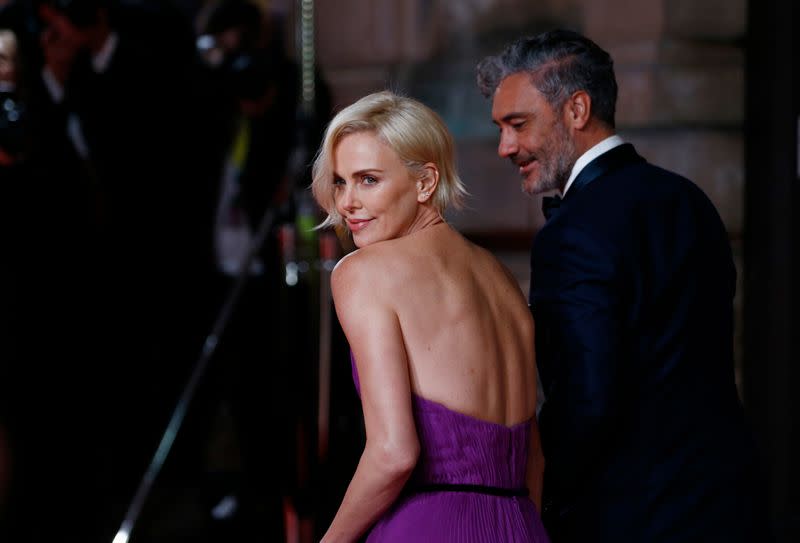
x,y
632,285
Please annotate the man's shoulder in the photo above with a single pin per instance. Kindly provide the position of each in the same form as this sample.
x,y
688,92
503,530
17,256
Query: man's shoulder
x,y
624,193
607,210
642,176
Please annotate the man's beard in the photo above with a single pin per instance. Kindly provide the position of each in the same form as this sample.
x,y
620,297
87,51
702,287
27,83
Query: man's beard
x,y
557,166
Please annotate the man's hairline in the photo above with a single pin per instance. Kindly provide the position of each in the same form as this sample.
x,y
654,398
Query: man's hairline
x,y
555,105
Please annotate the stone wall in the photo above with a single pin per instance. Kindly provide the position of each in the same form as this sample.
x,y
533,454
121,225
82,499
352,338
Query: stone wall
x,y
680,72
679,63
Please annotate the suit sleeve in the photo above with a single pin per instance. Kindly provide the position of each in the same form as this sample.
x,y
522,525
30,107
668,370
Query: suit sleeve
x,y
577,299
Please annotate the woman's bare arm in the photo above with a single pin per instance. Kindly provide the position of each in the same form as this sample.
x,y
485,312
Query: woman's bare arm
x,y
392,447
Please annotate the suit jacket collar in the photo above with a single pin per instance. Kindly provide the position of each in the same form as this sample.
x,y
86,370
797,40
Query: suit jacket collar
x,y
622,155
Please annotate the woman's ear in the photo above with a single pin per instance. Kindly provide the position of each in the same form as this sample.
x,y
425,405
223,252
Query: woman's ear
x,y
427,182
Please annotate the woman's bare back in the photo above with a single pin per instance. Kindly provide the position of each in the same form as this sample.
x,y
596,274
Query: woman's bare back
x,y
467,330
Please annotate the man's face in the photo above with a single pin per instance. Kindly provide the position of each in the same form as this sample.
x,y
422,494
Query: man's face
x,y
8,54
532,135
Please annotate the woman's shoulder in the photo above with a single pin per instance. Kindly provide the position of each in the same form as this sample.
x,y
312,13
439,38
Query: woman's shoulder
x,y
371,268
359,261
399,261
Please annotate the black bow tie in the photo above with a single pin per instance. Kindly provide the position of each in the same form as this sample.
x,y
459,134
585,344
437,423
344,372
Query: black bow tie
x,y
550,204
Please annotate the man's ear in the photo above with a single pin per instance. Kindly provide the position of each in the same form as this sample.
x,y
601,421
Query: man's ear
x,y
427,182
578,109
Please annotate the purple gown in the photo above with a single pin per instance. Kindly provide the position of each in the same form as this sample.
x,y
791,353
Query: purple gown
x,y
459,449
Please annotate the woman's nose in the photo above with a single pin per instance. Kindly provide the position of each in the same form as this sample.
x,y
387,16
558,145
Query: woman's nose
x,y
348,198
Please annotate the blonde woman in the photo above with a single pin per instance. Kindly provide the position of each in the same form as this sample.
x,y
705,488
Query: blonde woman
x,y
441,340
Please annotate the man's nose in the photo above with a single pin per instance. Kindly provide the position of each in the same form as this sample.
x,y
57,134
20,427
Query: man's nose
x,y
508,146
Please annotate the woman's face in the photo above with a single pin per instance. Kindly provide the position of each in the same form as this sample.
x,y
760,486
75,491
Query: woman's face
x,y
374,191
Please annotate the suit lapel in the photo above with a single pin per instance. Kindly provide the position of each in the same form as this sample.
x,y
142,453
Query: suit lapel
x,y
622,155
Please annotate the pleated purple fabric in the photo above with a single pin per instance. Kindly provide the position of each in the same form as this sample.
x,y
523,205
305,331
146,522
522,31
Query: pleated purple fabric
x,y
459,449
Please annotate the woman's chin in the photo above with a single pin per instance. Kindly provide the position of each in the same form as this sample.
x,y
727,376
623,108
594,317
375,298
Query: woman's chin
x,y
361,240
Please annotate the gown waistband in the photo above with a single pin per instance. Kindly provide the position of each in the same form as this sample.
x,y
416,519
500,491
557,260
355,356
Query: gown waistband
x,y
480,489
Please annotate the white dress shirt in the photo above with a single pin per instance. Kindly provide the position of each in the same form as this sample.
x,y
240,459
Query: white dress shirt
x,y
602,147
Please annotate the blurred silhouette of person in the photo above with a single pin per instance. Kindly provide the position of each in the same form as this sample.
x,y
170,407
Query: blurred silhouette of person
x,y
47,398
268,149
12,110
253,86
11,118
115,98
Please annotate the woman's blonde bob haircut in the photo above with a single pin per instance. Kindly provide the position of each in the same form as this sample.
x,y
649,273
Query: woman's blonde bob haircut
x,y
414,131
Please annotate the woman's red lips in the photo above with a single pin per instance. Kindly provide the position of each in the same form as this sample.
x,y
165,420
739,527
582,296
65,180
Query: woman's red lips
x,y
357,224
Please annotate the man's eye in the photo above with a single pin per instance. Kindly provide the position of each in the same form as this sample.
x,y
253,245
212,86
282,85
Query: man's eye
x,y
518,125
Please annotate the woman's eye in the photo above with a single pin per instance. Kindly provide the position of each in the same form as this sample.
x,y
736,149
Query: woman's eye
x,y
369,180
338,181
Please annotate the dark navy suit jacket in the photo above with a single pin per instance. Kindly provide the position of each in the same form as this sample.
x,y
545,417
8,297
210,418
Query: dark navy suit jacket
x,y
632,292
